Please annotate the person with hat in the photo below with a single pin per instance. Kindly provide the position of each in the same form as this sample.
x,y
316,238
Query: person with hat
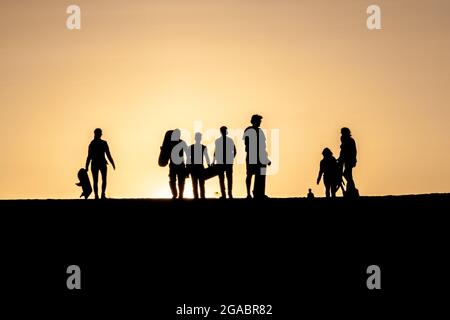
x,y
256,159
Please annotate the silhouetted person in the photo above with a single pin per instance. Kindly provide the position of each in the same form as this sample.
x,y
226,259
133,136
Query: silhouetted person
x,y
256,159
224,154
197,153
177,167
347,159
310,194
98,148
329,169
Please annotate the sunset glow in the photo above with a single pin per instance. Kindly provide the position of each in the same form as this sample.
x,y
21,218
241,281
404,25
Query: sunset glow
x,y
139,68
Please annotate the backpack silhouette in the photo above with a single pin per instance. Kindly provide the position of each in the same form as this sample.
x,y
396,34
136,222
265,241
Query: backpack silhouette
x,y
84,183
164,153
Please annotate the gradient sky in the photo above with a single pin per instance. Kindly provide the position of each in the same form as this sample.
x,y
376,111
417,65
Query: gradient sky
x,y
140,67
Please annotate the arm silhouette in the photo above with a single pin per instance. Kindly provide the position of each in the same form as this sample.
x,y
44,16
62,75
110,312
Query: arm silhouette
x,y
208,162
108,154
89,158
319,177
214,154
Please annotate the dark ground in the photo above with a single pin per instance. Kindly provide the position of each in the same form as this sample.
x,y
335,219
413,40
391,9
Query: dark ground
x,y
145,257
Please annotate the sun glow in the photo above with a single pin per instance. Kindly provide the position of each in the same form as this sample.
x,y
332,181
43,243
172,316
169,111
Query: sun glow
x,y
138,71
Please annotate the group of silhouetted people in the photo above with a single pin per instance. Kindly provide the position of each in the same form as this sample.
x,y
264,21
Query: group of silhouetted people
x,y
184,161
222,164
333,169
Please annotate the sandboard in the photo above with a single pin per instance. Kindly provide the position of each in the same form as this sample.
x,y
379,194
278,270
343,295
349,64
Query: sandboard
x,y
164,153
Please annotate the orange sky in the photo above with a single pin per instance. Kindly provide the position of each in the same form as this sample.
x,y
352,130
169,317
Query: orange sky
x,y
138,68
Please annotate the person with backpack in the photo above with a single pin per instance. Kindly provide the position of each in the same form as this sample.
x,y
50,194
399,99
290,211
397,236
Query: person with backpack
x,y
197,154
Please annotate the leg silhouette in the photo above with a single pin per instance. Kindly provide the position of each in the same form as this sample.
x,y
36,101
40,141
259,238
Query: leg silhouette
x,y
229,173
202,187
173,185
181,180
260,184
248,183
195,186
348,175
104,173
94,172
333,190
222,183
327,190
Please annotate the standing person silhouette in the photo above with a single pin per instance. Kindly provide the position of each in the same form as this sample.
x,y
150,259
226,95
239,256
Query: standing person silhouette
x,y
177,167
256,159
347,159
198,152
224,154
98,148
329,169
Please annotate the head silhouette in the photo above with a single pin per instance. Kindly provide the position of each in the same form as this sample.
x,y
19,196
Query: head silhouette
x,y
327,153
345,132
176,135
198,137
224,130
256,120
97,133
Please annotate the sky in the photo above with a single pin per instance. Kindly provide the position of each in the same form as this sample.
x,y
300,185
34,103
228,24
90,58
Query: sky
x,y
137,68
